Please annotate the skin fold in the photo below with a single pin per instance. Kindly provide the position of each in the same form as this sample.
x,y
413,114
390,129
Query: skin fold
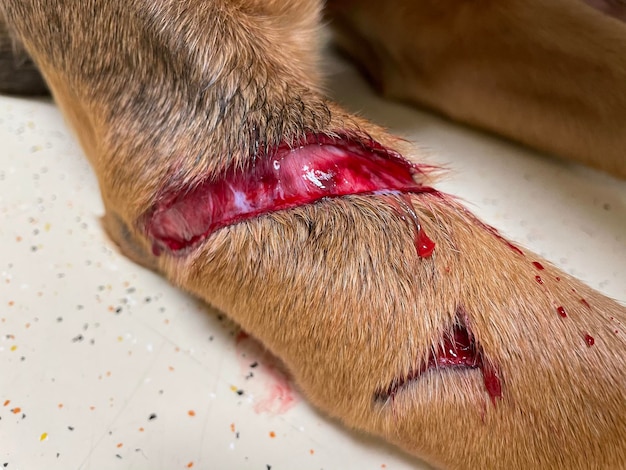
x,y
168,96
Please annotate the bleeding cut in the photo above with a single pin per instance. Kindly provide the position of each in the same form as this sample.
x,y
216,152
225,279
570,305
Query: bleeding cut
x,y
322,167
458,351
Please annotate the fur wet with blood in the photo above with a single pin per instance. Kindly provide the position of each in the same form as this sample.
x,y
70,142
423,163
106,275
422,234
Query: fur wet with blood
x,y
337,287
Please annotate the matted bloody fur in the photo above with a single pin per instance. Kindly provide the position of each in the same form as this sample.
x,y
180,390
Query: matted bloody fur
x,y
394,308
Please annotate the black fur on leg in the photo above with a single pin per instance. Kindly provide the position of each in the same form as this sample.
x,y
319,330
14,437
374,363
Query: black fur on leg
x,y
18,73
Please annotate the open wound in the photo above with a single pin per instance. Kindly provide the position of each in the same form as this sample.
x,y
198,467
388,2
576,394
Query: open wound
x,y
322,167
459,350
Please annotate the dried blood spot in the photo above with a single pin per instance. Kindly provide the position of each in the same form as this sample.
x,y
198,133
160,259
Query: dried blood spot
x,y
589,340
538,265
561,311
321,168
538,279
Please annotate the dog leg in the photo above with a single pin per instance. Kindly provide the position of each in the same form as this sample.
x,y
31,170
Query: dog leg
x,y
223,167
551,75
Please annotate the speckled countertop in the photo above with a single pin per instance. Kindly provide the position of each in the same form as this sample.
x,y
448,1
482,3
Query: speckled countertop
x,y
103,365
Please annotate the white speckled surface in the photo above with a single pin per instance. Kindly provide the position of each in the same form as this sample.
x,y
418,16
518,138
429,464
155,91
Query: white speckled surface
x,y
103,365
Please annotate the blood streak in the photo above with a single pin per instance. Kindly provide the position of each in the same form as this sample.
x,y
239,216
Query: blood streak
x,y
561,311
493,231
491,378
589,340
423,244
538,265
321,168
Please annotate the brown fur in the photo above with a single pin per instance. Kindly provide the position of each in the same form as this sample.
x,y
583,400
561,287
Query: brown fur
x,y
164,94
548,74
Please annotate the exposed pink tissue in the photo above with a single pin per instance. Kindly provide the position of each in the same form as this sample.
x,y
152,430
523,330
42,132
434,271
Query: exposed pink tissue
x,y
290,178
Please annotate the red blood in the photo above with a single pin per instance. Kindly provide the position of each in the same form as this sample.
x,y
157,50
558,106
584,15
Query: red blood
x,y
589,340
513,247
493,231
321,168
501,238
538,265
463,352
492,382
538,279
561,311
241,336
558,278
423,244
585,303
458,350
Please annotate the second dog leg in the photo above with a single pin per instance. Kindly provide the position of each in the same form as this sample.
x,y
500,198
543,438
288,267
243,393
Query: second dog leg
x,y
551,75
